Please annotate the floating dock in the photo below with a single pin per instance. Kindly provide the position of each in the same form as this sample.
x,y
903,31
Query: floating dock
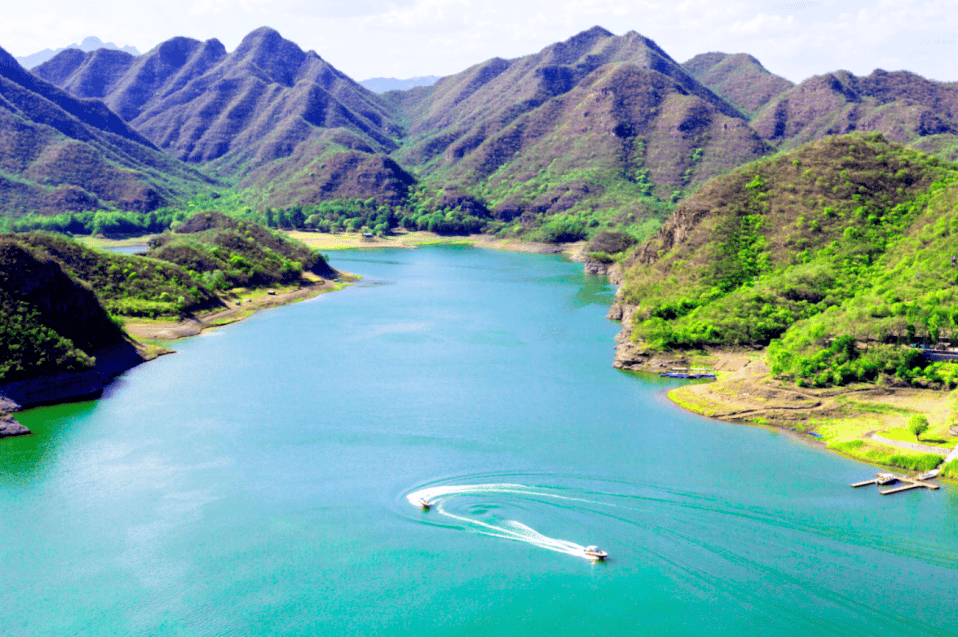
x,y
908,483
686,375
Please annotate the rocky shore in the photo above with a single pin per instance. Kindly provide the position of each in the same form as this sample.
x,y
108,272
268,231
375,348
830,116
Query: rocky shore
x,y
72,386
628,355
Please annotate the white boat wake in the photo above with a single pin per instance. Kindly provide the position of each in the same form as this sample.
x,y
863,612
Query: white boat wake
x,y
506,529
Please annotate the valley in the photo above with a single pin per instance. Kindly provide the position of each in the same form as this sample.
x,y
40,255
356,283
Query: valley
x,y
735,209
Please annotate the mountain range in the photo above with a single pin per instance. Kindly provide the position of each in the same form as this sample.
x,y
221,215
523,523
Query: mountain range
x,y
91,43
60,153
600,129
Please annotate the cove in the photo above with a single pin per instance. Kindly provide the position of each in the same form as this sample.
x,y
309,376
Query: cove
x,y
258,483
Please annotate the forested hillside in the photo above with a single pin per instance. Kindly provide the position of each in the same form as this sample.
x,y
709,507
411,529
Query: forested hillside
x,y
838,254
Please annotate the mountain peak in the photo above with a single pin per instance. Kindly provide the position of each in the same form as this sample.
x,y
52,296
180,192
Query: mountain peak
x,y
90,43
274,55
260,35
594,32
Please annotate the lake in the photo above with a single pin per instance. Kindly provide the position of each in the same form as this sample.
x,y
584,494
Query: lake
x,y
259,482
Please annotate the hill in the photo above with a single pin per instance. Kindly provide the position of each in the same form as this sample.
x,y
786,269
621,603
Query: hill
x,y
739,78
126,285
62,153
903,106
57,341
50,323
801,251
266,103
91,43
598,122
226,253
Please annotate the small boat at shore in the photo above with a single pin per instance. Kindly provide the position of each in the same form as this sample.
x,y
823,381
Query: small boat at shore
x,y
595,554
424,503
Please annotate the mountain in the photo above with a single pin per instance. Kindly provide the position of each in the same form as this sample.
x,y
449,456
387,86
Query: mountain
x,y
91,43
384,84
596,122
739,78
60,153
263,104
803,236
903,106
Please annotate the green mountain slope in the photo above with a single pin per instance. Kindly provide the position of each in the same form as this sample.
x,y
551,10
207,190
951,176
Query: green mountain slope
x,y
792,238
225,253
596,123
61,153
49,322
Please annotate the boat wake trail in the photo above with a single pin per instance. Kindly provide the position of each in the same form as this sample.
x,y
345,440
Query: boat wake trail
x,y
440,496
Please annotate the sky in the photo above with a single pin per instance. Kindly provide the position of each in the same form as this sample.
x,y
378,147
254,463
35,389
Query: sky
x,y
407,38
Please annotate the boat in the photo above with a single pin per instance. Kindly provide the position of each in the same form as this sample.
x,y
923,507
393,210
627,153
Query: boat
x,y
595,554
424,503
886,478
928,475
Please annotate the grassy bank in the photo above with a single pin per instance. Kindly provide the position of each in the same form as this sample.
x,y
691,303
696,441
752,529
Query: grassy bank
x,y
842,419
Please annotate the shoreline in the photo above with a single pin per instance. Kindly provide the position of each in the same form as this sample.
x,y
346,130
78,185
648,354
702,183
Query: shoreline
x,y
863,422
141,347
421,239
236,310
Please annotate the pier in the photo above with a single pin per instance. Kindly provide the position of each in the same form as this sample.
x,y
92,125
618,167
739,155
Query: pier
x,y
908,483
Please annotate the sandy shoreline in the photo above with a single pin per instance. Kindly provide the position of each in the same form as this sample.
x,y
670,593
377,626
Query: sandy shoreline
x,y
866,422
235,310
413,240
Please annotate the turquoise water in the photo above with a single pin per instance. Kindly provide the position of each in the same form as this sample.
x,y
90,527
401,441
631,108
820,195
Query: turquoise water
x,y
258,482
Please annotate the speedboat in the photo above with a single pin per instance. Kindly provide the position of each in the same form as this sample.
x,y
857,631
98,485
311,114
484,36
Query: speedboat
x,y
595,554
424,503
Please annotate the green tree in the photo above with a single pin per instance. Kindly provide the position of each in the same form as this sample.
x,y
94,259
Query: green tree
x,y
918,425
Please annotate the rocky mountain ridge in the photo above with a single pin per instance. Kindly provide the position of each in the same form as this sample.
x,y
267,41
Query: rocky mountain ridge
x,y
60,153
598,129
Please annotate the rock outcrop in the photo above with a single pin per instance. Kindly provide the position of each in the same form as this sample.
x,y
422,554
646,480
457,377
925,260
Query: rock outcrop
x,y
10,427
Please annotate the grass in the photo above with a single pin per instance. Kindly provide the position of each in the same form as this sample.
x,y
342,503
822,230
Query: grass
x,y
694,404
101,243
929,438
950,470
879,454
874,408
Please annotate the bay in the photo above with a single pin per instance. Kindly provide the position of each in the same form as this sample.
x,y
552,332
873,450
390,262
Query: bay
x,y
259,482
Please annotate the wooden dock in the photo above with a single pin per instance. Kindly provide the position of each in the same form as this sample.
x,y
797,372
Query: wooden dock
x,y
908,483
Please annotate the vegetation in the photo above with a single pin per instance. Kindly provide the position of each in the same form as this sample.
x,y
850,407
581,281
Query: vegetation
x,y
221,253
49,322
127,285
29,348
836,256
918,424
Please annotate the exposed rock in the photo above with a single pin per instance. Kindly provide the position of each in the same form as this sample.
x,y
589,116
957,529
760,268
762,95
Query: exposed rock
x,y
53,388
10,427
592,267
615,274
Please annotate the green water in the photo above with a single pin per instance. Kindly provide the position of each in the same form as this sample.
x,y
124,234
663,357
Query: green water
x,y
257,483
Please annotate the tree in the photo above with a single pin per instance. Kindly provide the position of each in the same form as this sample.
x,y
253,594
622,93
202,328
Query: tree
x,y
918,425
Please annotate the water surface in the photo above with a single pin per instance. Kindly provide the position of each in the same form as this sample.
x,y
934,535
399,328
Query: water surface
x,y
259,482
